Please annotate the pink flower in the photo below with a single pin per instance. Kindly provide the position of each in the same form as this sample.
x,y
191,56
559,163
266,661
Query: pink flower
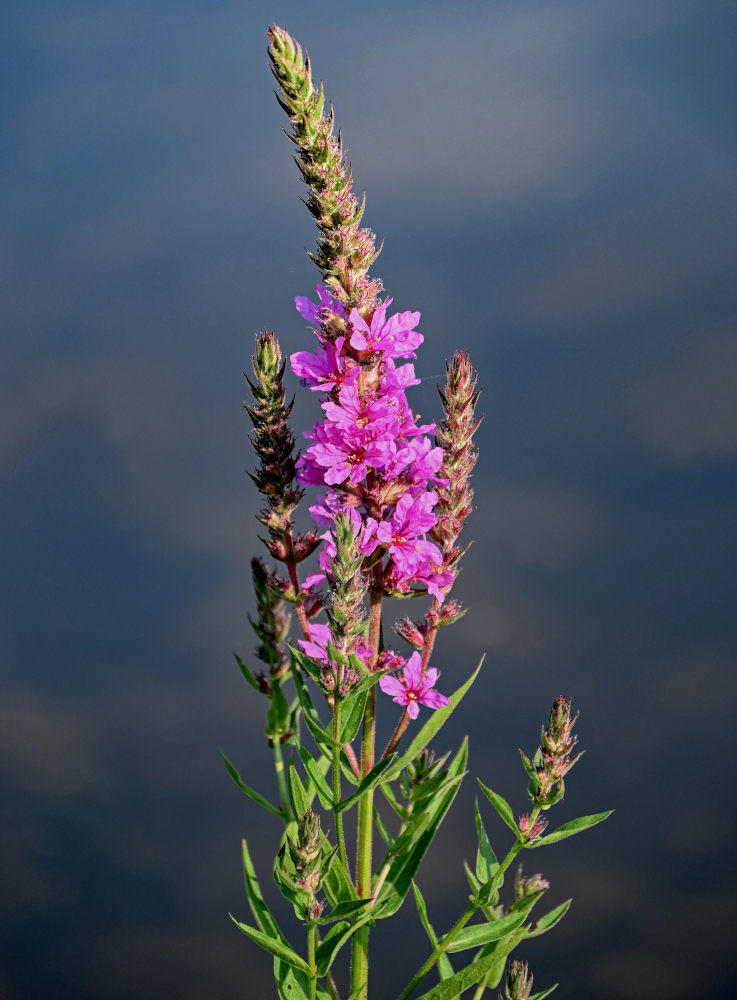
x,y
412,689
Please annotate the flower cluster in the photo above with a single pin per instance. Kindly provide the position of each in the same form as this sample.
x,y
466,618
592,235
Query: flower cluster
x,y
379,465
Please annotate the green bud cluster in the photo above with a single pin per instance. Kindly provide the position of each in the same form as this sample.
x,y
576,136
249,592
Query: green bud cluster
x,y
455,435
519,981
271,625
302,864
552,760
347,583
345,251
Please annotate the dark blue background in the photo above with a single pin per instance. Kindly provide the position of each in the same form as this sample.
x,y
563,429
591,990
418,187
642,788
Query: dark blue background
x,y
555,183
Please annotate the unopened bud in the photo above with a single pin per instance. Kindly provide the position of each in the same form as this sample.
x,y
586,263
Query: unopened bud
x,y
519,981
529,885
531,830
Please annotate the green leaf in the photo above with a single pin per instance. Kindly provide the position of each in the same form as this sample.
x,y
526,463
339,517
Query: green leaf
x,y
572,827
337,884
477,935
312,719
259,909
385,835
275,946
250,677
344,911
297,793
406,862
550,919
334,941
370,781
351,716
317,777
445,969
486,862
391,799
544,993
309,666
437,719
249,791
502,807
489,969
277,718
295,985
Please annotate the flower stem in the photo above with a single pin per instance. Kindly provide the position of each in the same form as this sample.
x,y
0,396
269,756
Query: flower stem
x,y
336,788
311,959
359,963
279,768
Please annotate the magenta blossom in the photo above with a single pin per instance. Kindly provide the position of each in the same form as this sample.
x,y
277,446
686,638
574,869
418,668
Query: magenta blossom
x,y
412,689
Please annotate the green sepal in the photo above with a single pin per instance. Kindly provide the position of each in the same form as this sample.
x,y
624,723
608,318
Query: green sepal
x,y
437,719
572,827
250,677
478,935
445,969
370,781
489,969
316,777
549,921
486,861
275,946
278,716
502,807
232,771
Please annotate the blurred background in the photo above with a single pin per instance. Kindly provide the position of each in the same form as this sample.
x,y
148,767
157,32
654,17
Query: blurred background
x,y
555,184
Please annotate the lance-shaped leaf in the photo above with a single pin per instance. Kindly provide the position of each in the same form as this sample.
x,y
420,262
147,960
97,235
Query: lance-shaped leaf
x,y
337,884
572,827
278,716
249,791
344,911
352,716
259,909
404,865
550,919
502,807
295,985
390,797
334,941
544,993
445,969
489,969
300,660
312,719
273,945
478,935
370,781
437,719
248,674
317,777
486,862
297,793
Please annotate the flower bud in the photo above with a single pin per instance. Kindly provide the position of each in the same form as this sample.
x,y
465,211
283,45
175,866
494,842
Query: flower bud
x,y
519,981
528,885
531,830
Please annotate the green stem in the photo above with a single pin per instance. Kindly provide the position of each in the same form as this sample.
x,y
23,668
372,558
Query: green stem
x,y
311,959
279,768
336,788
360,944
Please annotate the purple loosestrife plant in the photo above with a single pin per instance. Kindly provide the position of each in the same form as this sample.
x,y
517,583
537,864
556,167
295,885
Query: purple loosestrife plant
x,y
391,503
